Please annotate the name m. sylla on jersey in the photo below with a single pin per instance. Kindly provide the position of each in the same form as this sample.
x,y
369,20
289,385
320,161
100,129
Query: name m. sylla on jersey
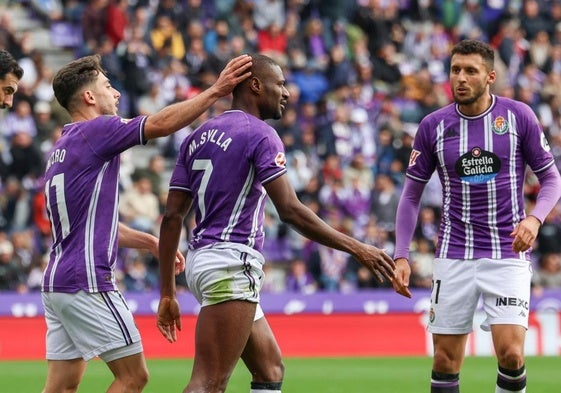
x,y
210,136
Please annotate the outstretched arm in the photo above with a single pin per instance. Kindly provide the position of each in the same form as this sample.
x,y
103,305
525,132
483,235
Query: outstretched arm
x,y
295,213
181,114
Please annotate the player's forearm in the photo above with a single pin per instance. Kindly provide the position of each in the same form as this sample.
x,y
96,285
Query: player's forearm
x,y
549,194
170,231
314,228
179,115
406,217
131,238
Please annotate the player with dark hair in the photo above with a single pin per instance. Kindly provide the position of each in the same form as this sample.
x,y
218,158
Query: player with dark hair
x,y
225,170
480,147
85,312
10,75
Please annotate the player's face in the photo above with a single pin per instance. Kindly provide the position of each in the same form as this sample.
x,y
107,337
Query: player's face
x,y
8,87
470,79
275,95
107,98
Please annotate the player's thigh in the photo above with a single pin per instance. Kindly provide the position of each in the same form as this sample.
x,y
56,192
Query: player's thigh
x,y
454,297
262,354
64,375
221,334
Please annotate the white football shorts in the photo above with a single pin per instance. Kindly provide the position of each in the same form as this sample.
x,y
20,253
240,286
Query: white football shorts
x,y
225,271
86,325
503,285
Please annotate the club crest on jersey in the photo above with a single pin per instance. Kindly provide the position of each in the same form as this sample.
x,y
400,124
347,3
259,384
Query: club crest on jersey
x,y
413,157
125,121
500,125
280,159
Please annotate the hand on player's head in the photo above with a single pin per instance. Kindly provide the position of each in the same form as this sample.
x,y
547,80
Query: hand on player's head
x,y
235,71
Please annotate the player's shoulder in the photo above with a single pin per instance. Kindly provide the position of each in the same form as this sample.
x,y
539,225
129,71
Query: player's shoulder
x,y
516,106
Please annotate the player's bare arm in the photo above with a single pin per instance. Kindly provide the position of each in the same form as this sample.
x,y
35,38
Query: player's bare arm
x,y
131,238
181,114
295,213
169,313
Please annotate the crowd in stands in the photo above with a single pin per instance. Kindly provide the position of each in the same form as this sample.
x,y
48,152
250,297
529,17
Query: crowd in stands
x,y
361,75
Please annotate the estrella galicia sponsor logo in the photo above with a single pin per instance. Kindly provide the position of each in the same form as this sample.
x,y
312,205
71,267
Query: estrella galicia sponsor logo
x,y
513,302
500,125
478,166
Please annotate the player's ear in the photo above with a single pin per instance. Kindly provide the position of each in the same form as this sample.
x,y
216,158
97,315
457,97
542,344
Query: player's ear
x,y
491,77
255,84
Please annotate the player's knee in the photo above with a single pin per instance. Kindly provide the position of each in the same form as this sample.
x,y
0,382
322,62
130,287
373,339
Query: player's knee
x,y
135,382
273,373
511,358
445,362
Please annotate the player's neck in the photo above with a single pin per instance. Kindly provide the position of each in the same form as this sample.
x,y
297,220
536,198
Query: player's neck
x,y
478,107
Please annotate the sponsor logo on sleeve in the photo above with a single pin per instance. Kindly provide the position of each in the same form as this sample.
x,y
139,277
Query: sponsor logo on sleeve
x,y
280,159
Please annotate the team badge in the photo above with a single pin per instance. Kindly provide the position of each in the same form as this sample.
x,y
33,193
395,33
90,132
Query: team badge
x,y
500,125
432,315
280,159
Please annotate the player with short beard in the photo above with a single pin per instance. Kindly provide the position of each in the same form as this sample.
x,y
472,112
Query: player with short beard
x,y
480,147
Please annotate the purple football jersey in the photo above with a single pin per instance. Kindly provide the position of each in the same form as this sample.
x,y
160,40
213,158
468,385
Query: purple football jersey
x,y
481,162
82,192
224,164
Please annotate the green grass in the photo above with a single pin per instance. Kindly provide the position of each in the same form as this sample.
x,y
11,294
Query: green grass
x,y
336,375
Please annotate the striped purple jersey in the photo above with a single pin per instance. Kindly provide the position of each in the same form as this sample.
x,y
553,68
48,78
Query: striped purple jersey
x,y
82,192
223,165
481,162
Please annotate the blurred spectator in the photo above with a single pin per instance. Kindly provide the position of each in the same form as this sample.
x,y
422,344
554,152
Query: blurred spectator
x,y
547,274
15,209
422,258
385,198
93,22
12,277
299,279
44,122
117,21
20,120
165,36
138,277
138,206
27,160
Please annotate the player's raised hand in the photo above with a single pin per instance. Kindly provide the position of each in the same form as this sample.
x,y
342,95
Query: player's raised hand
x,y
377,261
169,318
400,282
235,71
